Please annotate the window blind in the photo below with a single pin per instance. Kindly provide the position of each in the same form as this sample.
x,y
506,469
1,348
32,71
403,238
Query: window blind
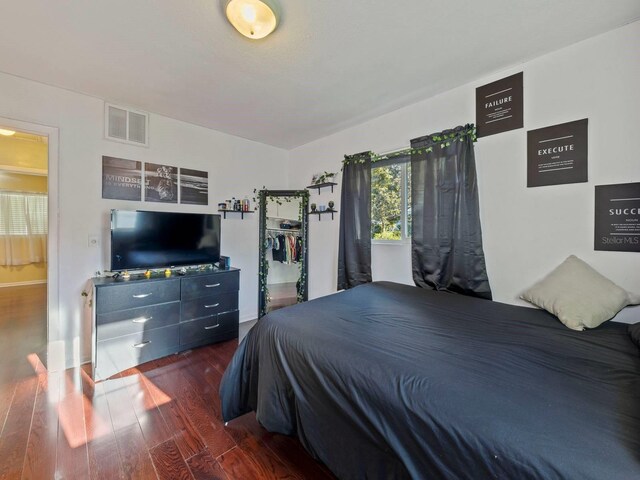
x,y
23,213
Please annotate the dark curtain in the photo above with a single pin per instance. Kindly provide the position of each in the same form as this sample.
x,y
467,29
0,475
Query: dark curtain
x,y
446,239
354,254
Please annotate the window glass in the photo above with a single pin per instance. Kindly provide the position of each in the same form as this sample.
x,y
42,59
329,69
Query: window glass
x,y
390,202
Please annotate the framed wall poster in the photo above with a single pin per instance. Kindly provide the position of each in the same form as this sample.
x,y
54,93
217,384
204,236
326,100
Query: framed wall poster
x,y
617,217
557,154
499,106
161,183
194,187
121,179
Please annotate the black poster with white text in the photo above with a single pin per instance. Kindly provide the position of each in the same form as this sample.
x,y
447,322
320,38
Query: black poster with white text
x,y
121,178
557,154
499,106
617,217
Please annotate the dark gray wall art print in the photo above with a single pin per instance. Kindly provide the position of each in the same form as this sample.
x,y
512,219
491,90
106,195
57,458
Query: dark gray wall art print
x,y
121,179
194,187
499,106
557,154
617,217
161,183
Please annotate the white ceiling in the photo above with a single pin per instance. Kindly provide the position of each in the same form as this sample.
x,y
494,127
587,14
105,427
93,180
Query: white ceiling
x,y
329,65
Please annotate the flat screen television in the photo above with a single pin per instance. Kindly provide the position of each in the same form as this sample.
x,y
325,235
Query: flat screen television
x,y
141,239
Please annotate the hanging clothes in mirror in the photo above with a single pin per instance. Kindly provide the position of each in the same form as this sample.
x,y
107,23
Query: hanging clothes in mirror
x,y
283,269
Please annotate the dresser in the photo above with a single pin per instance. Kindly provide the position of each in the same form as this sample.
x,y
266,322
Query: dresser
x,y
138,320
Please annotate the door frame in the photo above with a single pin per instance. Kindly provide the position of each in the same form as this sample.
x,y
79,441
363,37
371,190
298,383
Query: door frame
x,y
53,294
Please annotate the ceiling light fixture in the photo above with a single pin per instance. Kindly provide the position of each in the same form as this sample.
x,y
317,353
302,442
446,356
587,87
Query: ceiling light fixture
x,y
252,18
6,133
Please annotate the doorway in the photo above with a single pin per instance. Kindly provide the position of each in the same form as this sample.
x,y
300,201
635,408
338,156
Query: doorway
x,y
24,249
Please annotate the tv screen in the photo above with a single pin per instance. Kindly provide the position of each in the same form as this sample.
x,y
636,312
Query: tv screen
x,y
141,240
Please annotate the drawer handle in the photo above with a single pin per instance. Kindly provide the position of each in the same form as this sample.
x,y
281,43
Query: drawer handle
x,y
141,319
212,285
142,295
141,344
212,306
211,327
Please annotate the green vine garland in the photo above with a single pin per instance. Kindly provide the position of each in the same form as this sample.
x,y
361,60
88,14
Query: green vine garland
x,y
445,140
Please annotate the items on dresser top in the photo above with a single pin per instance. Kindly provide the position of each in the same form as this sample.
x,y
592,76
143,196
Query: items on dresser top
x,y
143,319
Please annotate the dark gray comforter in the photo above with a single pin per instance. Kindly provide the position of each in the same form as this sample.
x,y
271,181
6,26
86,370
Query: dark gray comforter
x,y
393,381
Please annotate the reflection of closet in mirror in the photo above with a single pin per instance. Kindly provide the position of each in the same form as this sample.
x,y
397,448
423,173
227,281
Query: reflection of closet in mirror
x,y
283,258
284,248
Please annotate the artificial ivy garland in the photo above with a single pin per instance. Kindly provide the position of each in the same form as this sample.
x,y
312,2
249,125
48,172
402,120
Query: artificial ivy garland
x,y
445,140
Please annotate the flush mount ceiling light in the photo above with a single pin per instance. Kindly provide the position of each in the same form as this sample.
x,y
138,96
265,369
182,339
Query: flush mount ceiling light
x,y
6,133
252,18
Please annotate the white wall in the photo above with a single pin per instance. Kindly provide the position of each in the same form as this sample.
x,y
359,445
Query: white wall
x,y
526,231
236,166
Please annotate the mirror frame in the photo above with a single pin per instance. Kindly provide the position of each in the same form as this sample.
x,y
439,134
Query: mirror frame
x,y
263,269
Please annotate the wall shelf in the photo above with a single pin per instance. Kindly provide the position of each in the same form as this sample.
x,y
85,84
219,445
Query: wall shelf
x,y
224,212
322,185
323,213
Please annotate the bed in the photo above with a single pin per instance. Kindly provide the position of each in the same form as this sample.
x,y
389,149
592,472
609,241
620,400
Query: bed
x,y
393,381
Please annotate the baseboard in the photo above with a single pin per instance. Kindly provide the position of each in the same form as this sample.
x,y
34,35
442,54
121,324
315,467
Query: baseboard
x,y
247,318
21,284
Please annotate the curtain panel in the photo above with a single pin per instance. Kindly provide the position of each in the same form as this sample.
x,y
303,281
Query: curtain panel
x,y
446,237
354,252
23,228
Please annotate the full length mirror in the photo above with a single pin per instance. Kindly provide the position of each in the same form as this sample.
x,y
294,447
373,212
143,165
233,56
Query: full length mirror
x,y
283,249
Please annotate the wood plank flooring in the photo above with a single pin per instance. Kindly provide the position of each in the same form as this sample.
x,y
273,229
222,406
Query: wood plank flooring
x,y
159,421
282,295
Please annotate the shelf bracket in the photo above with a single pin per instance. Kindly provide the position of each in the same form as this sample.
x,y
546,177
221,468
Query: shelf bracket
x,y
241,212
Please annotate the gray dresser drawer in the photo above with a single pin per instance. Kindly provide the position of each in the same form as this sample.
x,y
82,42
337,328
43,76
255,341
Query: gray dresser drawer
x,y
210,305
211,329
135,320
132,295
124,352
204,285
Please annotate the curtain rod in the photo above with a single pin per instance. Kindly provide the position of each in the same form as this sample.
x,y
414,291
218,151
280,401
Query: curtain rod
x,y
286,230
443,138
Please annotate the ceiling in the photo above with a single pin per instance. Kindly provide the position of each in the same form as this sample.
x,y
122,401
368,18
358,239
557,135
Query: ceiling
x,y
329,65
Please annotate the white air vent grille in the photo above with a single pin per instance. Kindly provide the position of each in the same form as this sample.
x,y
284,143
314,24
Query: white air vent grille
x,y
125,125
137,127
117,123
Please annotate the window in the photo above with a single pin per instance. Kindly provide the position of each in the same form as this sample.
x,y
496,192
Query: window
x,y
391,200
23,228
23,214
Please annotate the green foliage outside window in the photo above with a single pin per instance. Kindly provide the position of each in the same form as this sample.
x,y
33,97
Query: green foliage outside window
x,y
389,187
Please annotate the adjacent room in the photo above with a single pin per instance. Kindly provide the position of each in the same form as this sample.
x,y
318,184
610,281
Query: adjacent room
x,y
23,245
272,239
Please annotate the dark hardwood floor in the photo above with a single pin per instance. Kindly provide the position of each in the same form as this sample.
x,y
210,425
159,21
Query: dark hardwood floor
x,y
161,420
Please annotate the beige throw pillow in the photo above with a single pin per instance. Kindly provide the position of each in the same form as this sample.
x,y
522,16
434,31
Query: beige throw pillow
x,y
578,295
